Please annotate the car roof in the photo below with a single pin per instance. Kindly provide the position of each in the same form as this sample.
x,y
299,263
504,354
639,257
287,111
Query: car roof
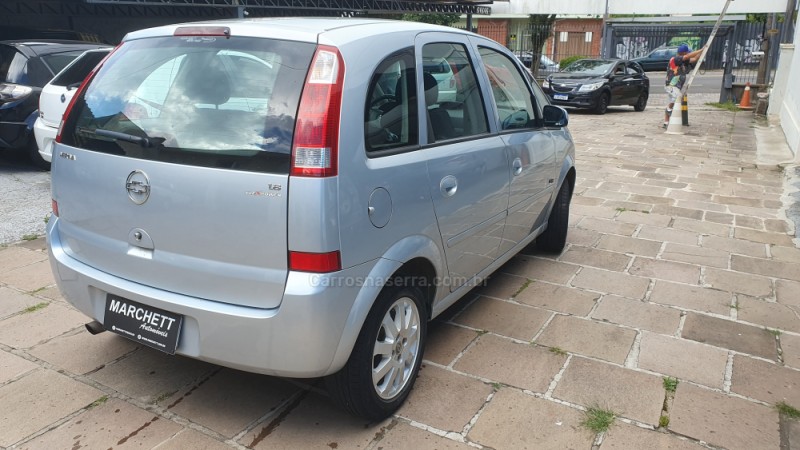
x,y
322,30
34,47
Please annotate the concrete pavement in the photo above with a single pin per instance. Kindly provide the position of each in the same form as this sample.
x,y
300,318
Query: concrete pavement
x,y
680,263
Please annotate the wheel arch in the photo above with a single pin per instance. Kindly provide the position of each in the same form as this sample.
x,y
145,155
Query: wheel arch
x,y
415,259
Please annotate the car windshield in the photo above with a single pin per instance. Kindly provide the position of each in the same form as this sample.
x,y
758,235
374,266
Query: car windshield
x,y
589,67
207,102
547,61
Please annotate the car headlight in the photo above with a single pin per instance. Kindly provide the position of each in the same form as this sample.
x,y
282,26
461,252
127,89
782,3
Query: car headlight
x,y
591,87
546,84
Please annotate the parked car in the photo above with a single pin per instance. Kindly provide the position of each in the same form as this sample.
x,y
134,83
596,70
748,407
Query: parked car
x,y
545,64
56,95
25,67
305,215
657,59
598,84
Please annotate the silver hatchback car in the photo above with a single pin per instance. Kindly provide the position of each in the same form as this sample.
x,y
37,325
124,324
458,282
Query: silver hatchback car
x,y
293,197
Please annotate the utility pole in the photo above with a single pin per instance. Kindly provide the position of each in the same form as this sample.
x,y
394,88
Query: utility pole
x,y
603,37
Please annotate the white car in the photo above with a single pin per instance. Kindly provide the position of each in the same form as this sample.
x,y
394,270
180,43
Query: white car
x,y
57,94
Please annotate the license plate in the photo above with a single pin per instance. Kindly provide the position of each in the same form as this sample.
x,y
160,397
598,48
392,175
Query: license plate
x,y
147,325
560,97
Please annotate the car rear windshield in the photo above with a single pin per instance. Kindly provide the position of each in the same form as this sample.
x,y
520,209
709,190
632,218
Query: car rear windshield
x,y
57,61
196,100
77,71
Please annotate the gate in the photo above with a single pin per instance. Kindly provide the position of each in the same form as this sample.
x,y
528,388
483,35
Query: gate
x,y
745,52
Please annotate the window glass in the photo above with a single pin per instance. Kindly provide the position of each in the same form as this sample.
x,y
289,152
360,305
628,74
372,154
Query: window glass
x,y
454,106
634,69
78,70
57,61
510,91
227,103
390,117
12,65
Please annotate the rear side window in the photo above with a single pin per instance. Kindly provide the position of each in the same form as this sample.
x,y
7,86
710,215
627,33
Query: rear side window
x,y
12,65
77,71
454,106
390,119
204,101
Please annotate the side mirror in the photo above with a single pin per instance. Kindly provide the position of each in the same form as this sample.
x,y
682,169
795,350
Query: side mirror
x,y
555,116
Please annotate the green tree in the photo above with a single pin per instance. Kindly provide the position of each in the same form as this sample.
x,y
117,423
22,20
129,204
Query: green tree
x,y
541,26
434,18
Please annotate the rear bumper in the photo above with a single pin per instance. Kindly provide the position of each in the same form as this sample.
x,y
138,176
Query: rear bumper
x,y
306,336
45,136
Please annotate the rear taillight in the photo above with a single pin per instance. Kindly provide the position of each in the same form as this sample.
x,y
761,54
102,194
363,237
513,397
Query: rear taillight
x,y
81,89
316,134
55,207
315,262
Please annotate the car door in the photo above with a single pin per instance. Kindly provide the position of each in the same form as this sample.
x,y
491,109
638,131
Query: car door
x,y
467,165
529,147
618,84
636,81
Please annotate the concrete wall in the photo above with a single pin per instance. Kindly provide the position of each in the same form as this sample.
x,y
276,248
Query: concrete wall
x,y
785,98
598,7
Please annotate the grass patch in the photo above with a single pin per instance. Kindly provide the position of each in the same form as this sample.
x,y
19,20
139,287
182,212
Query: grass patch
x,y
496,386
481,332
788,410
663,421
670,384
35,307
30,237
46,219
774,332
522,288
558,351
598,419
99,401
727,106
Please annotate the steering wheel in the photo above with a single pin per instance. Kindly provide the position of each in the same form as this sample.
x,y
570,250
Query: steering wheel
x,y
383,98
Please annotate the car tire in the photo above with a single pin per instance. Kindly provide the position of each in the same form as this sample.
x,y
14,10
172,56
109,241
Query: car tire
x,y
35,156
554,238
641,102
602,104
355,387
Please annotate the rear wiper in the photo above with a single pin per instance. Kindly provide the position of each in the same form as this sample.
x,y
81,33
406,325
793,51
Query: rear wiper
x,y
143,141
74,85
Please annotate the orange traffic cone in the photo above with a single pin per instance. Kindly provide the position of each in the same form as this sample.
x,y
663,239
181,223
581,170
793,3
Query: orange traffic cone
x,y
745,103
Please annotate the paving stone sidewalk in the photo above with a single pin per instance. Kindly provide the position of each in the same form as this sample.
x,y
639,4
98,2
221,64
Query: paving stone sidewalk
x,y
680,263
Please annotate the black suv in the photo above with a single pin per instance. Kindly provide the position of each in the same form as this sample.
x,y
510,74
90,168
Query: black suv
x,y
25,67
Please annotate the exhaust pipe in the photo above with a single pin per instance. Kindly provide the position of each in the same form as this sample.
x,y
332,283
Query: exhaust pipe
x,y
95,327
